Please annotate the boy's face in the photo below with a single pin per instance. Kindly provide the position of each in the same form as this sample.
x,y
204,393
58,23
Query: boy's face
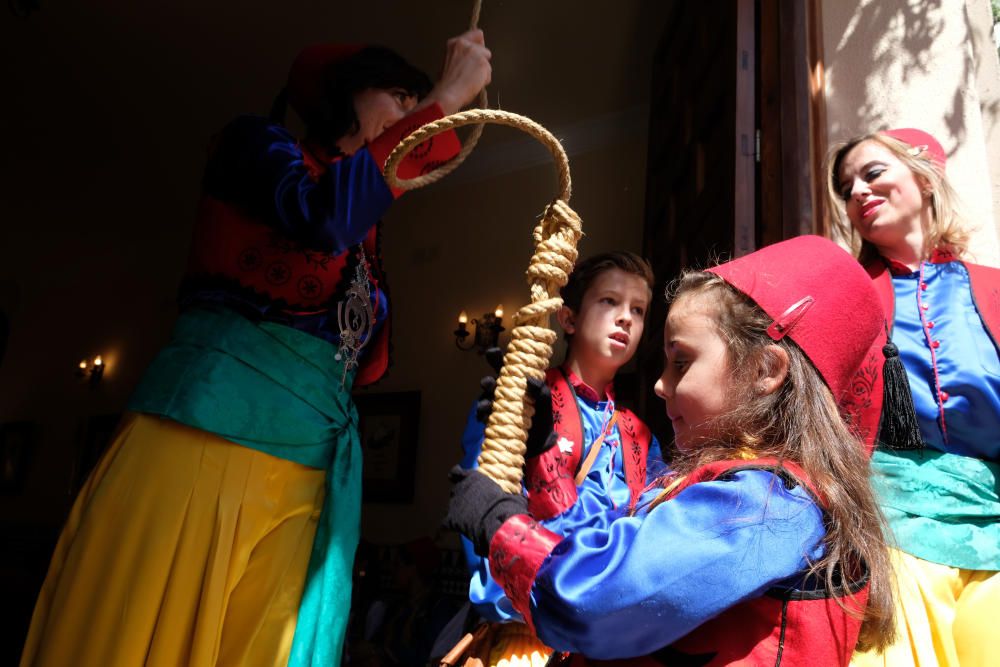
x,y
608,326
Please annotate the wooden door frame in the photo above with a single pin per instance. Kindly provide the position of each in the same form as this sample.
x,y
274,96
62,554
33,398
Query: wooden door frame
x,y
792,120
745,173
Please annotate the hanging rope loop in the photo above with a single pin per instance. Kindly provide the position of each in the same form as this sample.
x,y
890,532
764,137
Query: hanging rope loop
x,y
532,338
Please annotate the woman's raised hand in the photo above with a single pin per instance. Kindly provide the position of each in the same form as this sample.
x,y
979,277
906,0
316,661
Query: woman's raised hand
x,y
466,71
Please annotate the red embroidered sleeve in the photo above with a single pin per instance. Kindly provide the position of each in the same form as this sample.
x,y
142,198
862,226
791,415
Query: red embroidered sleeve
x,y
424,158
517,551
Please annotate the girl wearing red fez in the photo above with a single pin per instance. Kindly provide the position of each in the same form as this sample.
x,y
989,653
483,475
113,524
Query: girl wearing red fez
x,y
221,525
939,492
763,545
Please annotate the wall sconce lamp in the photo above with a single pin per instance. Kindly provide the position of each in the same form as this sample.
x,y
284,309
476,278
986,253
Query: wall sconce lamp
x,y
487,331
94,370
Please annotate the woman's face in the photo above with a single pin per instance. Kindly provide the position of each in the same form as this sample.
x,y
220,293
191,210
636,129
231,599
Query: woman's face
x,y
376,109
883,199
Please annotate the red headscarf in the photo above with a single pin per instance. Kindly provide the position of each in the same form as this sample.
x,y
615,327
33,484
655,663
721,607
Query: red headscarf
x,y
305,78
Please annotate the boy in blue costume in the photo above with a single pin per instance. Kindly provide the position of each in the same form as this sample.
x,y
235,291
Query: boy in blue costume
x,y
600,455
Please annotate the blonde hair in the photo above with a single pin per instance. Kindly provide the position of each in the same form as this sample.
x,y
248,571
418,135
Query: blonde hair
x,y
948,228
800,423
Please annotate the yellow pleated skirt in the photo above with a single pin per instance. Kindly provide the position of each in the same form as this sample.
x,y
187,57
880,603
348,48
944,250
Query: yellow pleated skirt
x,y
182,549
945,617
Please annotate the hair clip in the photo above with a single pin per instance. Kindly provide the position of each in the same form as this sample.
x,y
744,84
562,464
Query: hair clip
x,y
782,325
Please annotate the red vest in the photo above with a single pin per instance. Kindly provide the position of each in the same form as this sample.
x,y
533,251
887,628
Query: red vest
x,y
550,477
780,627
297,280
862,405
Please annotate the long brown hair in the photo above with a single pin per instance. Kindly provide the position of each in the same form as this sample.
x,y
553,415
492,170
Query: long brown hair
x,y
948,228
800,423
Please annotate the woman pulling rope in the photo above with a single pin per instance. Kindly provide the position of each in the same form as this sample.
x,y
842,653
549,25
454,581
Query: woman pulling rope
x,y
193,540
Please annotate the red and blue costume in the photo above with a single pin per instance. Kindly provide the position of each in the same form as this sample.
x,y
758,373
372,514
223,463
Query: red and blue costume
x,y
715,568
221,525
628,460
278,220
614,588
941,501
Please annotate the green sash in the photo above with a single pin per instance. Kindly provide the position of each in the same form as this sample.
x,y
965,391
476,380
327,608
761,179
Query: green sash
x,y
943,508
277,390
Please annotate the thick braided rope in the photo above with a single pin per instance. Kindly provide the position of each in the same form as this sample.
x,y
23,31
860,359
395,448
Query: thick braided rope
x,y
530,348
472,117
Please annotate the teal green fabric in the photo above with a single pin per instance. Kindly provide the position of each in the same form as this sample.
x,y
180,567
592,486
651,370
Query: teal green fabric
x,y
279,391
943,508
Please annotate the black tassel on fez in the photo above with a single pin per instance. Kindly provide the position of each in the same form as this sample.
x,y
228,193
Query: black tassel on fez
x,y
898,428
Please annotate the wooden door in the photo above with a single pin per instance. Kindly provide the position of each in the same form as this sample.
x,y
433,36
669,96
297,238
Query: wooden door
x,y
734,144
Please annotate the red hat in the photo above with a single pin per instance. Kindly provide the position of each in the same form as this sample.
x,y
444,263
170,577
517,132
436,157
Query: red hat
x,y
921,141
819,296
305,78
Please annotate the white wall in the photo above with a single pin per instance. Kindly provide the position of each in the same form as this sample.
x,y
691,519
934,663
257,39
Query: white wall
x,y
901,63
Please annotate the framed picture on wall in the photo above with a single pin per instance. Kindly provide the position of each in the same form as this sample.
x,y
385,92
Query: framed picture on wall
x,y
389,426
18,442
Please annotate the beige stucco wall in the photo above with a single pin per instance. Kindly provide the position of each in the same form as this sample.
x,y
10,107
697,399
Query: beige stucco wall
x,y
926,64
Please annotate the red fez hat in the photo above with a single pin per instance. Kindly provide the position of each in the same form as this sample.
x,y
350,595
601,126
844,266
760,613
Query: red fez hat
x,y
920,140
305,78
819,296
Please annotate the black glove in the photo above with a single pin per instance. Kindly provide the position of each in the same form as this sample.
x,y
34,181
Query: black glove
x,y
540,436
478,507
484,404
494,357
488,384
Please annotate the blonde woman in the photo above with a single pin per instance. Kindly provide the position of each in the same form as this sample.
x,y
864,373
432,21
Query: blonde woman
x,y
891,197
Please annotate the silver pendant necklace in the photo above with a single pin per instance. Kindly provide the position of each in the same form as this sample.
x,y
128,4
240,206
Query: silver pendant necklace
x,y
355,316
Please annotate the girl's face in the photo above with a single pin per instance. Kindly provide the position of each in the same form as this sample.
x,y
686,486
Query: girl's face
x,y
697,379
377,109
883,199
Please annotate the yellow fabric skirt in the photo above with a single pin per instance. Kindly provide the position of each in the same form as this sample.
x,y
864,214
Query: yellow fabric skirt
x,y
182,549
945,617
